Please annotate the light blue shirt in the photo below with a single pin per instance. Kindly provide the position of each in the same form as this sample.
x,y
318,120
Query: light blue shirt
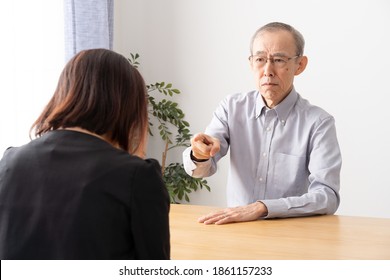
x,y
287,157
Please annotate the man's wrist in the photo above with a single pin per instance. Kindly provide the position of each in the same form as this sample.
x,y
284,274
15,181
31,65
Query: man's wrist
x,y
196,159
264,209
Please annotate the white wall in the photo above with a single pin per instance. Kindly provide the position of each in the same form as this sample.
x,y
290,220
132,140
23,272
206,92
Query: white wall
x,y
202,47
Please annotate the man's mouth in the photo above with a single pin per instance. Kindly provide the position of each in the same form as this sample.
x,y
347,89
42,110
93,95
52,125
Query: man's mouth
x,y
269,84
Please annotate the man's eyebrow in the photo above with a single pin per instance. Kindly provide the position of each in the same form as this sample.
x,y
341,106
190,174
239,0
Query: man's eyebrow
x,y
280,54
260,53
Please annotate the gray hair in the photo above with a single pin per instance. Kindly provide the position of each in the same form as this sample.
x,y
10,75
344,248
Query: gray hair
x,y
276,26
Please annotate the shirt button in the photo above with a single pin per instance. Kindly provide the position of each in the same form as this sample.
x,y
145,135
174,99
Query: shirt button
x,y
261,179
268,128
264,154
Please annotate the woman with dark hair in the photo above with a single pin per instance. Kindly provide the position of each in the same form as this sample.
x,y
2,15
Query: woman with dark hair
x,y
81,189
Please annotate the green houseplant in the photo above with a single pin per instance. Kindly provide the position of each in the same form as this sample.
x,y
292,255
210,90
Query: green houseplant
x,y
174,132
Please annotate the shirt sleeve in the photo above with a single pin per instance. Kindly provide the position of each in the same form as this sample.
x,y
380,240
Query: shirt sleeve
x,y
150,213
197,169
324,165
217,128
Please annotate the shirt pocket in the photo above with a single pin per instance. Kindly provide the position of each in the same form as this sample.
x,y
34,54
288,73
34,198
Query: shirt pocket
x,y
289,176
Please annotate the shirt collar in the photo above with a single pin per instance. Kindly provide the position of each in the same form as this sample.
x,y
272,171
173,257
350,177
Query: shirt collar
x,y
283,109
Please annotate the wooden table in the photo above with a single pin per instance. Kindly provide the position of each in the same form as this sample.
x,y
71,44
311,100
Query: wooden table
x,y
318,237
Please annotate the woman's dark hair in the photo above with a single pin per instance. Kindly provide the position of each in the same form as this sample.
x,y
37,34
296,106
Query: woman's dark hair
x,y
100,91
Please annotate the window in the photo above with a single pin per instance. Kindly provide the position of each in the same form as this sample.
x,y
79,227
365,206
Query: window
x,y
32,57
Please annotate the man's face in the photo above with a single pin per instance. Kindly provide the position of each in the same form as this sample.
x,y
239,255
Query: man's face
x,y
274,78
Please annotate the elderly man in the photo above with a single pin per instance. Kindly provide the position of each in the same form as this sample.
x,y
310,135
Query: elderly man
x,y
285,159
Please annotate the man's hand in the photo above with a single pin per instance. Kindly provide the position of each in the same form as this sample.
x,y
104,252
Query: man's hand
x,y
204,146
246,213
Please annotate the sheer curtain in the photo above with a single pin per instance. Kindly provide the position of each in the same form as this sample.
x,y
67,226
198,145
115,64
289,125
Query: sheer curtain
x,y
88,24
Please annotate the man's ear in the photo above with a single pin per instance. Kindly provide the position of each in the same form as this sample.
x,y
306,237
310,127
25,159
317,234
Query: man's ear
x,y
302,65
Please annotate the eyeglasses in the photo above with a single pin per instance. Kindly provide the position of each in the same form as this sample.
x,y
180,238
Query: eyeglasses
x,y
277,61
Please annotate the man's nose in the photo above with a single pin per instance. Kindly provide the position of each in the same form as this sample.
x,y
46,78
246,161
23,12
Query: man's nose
x,y
269,68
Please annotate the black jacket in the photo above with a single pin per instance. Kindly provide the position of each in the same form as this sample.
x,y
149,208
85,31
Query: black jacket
x,y
70,195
